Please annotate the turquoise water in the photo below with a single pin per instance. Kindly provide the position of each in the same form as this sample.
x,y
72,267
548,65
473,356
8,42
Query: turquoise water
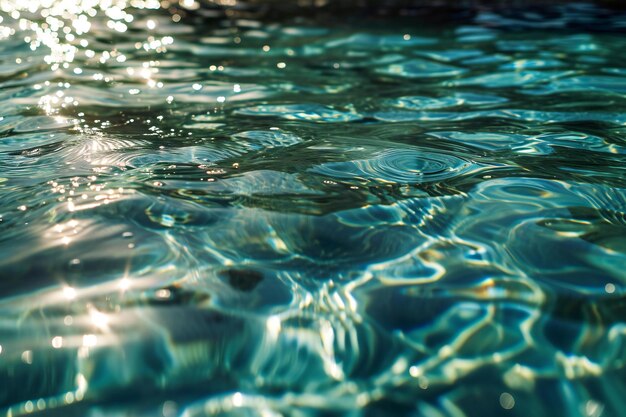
x,y
241,211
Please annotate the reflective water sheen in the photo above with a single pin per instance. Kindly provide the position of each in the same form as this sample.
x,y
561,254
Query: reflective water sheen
x,y
240,211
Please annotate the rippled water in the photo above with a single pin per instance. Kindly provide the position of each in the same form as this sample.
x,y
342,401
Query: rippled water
x,y
249,211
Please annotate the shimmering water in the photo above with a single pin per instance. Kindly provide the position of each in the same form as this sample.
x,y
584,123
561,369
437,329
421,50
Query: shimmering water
x,y
243,211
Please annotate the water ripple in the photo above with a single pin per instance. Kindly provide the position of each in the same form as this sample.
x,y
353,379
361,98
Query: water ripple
x,y
399,166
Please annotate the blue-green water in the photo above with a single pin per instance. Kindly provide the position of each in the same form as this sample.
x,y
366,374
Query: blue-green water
x,y
222,211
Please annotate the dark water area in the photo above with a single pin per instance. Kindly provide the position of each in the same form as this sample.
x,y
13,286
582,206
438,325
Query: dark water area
x,y
270,210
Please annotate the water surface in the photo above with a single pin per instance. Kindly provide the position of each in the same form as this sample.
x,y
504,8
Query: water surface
x,y
212,210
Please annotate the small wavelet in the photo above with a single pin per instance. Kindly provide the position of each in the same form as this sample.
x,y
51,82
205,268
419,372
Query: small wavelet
x,y
313,113
258,140
420,68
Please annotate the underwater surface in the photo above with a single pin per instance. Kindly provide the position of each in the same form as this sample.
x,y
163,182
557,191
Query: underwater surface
x,y
231,210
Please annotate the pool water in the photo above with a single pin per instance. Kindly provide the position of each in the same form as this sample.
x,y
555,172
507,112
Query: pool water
x,y
252,210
